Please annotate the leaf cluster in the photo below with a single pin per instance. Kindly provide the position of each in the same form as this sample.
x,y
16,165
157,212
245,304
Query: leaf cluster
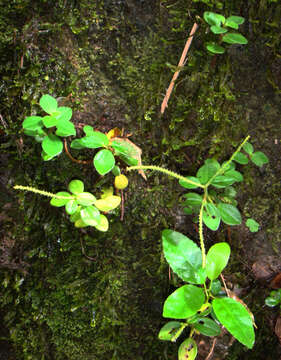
x,y
274,299
219,25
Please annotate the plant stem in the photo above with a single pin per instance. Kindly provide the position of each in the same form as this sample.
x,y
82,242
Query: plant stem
x,y
201,236
180,330
41,192
165,171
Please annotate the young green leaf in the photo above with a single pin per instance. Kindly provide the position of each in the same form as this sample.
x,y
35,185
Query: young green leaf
x,y
76,216
259,158
77,144
49,121
184,302
241,158
214,48
76,186
63,114
207,327
213,18
103,224
230,214
271,301
48,104
88,130
236,175
52,145
109,203
32,122
231,24
71,206
248,147
236,19
188,185
218,30
236,319
207,171
217,259
222,181
252,225
216,287
211,216
85,199
169,330
65,128
104,161
234,38
90,215
95,140
61,202
187,350
184,256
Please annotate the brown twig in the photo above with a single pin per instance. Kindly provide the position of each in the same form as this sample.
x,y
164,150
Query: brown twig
x,y
224,284
122,206
83,251
72,158
180,65
212,349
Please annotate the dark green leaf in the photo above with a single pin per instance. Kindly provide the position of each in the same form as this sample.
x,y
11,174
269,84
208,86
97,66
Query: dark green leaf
x,y
193,199
52,145
236,175
230,214
211,216
90,215
218,30
222,181
184,256
207,171
237,19
184,302
215,48
217,259
241,158
48,104
236,319
207,327
252,225
213,18
104,161
188,185
188,210
230,192
248,147
61,202
259,158
234,38
76,186
169,330
187,350
216,287
129,160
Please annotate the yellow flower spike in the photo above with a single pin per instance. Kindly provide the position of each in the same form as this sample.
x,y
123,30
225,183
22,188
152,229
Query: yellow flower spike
x,y
121,182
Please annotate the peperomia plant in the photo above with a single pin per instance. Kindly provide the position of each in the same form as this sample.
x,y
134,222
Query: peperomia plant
x,y
219,25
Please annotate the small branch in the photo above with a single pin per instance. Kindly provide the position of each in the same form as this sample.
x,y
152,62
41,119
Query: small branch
x,y
212,349
83,251
224,284
72,158
180,65
42,192
122,206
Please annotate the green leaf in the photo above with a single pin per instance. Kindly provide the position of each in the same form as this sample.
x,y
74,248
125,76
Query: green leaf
x,y
222,181
236,175
217,259
48,104
52,145
207,327
76,186
230,191
104,161
218,30
187,185
76,216
116,170
49,121
80,223
213,18
61,202
188,210
90,215
236,19
259,158
77,144
85,198
211,216
230,214
241,158
184,302
65,128
109,203
216,287
169,330
234,38
32,122
231,24
88,130
271,301
207,171
63,114
236,319
45,156
129,160
215,48
103,224
184,256
248,147
95,140
71,206
193,199
187,350
252,225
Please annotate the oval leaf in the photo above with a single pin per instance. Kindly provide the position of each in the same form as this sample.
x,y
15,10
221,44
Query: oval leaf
x,y
52,145
187,350
241,158
85,198
218,30
184,302
234,38
230,214
214,48
207,327
188,185
217,259
90,215
236,19
183,255
63,114
103,224
61,202
48,104
211,216
71,206
95,140
259,158
236,319
32,122
193,199
169,330
65,128
213,18
109,203
104,161
76,186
